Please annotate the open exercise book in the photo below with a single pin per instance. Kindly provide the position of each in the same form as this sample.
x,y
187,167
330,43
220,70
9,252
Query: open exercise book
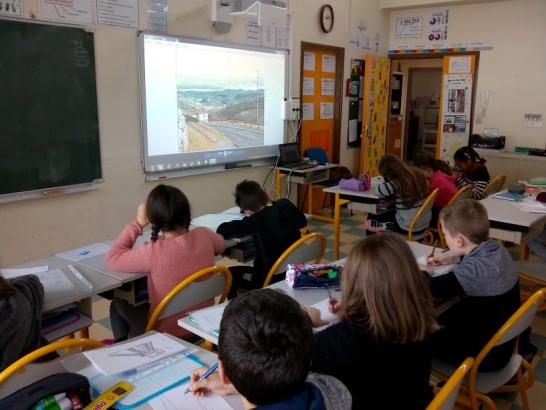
x,y
153,363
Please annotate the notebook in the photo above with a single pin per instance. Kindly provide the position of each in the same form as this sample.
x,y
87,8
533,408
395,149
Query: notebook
x,y
325,314
209,319
437,270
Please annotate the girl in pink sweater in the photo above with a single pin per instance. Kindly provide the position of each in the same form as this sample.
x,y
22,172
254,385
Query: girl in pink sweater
x,y
168,259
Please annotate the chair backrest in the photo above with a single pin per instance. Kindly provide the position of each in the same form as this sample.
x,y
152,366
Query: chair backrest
x,y
60,345
316,154
512,328
311,247
203,285
446,397
422,212
495,185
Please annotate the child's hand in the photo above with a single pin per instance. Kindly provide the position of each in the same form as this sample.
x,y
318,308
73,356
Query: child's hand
x,y
212,384
314,315
142,218
334,306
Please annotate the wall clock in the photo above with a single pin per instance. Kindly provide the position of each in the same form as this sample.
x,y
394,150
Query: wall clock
x,y
327,18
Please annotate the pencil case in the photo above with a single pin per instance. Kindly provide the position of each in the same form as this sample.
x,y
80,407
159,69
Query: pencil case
x,y
363,183
325,275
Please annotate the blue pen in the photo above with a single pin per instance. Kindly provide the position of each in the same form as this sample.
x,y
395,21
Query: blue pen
x,y
84,252
205,375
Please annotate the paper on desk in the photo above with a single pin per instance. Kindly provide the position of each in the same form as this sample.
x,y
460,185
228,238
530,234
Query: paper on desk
x,y
175,399
531,205
133,354
236,211
213,221
16,272
209,319
53,281
84,252
325,314
437,270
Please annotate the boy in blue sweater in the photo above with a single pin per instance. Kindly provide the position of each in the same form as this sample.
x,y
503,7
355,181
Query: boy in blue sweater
x,y
264,353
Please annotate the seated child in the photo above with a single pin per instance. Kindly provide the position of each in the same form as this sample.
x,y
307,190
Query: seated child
x,y
21,303
473,171
275,225
408,186
264,353
439,176
167,259
380,349
485,278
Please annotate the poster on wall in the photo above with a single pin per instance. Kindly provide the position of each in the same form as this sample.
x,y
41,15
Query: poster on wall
x,y
67,11
157,15
456,110
11,8
409,27
360,39
437,25
123,13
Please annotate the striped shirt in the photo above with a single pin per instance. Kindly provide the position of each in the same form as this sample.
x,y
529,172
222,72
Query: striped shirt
x,y
404,212
478,179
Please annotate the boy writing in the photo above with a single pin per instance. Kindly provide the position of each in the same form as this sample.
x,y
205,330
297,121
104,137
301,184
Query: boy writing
x,y
275,225
264,353
486,280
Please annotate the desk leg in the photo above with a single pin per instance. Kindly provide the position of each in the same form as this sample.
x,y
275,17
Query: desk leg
x,y
278,178
84,333
310,199
337,214
523,252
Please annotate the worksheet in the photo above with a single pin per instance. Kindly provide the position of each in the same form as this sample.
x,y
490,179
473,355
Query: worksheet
x,y
175,399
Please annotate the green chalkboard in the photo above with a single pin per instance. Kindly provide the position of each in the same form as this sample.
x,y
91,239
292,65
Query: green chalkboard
x,y
49,131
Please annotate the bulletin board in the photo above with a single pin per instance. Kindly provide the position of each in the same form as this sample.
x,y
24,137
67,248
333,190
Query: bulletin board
x,y
375,113
455,105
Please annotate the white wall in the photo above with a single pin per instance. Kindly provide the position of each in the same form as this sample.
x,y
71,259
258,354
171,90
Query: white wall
x,y
39,228
513,72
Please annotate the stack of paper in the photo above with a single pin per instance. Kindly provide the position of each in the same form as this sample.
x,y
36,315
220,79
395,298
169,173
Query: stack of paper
x,y
209,319
53,281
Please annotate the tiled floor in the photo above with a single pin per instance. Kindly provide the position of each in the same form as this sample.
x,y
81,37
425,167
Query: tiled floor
x,y
351,232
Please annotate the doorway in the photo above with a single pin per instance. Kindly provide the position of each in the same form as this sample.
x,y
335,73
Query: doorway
x,y
422,110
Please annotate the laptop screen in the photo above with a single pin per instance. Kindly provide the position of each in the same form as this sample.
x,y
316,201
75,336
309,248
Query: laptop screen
x,y
289,153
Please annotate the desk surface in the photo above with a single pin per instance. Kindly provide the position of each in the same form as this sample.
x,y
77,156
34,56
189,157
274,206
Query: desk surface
x,y
502,211
100,282
357,194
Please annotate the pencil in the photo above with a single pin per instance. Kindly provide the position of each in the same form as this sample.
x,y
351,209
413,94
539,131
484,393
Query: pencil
x,y
330,296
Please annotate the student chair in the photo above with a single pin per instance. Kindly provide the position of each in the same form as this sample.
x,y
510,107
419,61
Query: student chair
x,y
201,286
533,274
464,193
494,186
480,384
24,371
445,399
309,248
427,206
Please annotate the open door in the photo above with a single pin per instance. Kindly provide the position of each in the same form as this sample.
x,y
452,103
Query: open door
x,y
456,104
374,112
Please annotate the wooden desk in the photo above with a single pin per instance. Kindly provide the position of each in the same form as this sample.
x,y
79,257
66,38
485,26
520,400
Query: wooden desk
x,y
364,201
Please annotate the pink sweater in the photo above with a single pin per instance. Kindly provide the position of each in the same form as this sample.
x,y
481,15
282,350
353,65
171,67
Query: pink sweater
x,y
167,262
447,186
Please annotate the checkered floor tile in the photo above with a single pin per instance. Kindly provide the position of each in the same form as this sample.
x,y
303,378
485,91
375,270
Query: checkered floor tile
x,y
351,232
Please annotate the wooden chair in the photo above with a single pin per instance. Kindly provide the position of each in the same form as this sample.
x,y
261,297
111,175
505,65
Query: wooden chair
x,y
480,384
494,186
310,247
203,285
423,210
533,274
25,371
445,399
464,193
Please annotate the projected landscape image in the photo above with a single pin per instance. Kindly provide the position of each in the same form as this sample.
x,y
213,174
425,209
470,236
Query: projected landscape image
x,y
220,106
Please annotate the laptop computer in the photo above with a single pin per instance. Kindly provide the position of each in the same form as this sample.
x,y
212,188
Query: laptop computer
x,y
290,157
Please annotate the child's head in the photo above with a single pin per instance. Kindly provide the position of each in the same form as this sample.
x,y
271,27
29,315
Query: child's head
x,y
464,222
249,196
265,346
384,291
167,209
428,164
467,159
410,184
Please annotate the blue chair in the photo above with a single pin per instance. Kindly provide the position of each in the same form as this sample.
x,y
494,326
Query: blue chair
x,y
316,154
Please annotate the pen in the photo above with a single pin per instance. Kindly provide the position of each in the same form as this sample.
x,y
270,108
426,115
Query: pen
x,y
434,248
205,375
84,252
330,296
